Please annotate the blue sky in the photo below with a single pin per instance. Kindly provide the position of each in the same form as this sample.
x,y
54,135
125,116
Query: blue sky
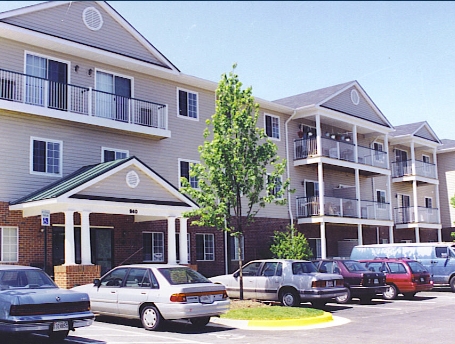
x,y
402,53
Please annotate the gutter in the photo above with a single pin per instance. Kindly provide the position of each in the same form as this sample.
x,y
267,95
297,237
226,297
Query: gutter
x,y
287,165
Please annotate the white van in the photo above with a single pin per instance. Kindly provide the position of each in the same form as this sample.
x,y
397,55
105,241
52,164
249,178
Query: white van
x,y
437,257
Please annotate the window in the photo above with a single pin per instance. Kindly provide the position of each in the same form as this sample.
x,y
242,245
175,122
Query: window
x,y
378,149
272,126
184,169
109,154
278,183
426,159
187,104
46,156
380,198
9,244
234,247
428,202
153,246
205,247
113,93
177,246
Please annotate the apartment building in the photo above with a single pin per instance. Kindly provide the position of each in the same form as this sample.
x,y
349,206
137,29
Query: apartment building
x,y
98,126
446,176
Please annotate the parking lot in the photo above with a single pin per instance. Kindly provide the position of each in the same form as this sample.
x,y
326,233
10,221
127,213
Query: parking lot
x,y
427,318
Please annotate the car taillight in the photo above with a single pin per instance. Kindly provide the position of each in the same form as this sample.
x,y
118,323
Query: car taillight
x,y
183,297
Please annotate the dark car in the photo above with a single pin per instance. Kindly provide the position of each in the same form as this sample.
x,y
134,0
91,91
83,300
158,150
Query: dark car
x,y
403,276
30,302
360,282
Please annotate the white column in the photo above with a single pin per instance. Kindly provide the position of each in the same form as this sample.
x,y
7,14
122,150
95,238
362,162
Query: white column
x,y
417,231
360,234
323,242
439,235
357,193
86,252
318,135
391,240
171,248
183,256
354,141
69,238
321,188
415,200
386,148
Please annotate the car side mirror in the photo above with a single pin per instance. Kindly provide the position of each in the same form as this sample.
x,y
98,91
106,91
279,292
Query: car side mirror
x,y
96,282
236,274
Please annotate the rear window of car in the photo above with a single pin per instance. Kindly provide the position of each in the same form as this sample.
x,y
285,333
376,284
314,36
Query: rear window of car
x,y
416,267
396,268
303,267
25,279
182,276
354,266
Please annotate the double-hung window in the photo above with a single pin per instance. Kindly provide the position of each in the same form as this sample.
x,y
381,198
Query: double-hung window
x,y
46,156
205,247
153,246
9,244
113,154
278,184
188,104
184,170
380,197
234,247
272,126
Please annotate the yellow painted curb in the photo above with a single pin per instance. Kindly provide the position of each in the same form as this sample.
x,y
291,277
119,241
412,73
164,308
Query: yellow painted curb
x,y
326,317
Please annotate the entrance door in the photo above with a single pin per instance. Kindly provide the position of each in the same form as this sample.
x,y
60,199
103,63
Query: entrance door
x,y
57,75
102,253
123,95
401,159
404,208
312,197
113,99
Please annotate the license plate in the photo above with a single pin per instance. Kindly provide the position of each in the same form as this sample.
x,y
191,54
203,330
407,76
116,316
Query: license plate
x,y
60,326
376,281
329,284
206,299
422,279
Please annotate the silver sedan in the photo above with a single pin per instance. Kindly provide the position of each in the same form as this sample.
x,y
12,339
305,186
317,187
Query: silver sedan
x,y
157,292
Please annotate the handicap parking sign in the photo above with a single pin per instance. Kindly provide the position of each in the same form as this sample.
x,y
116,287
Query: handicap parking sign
x,y
45,218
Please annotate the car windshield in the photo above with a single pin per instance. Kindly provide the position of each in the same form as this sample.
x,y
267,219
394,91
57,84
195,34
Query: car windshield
x,y
303,267
182,275
416,267
354,266
25,279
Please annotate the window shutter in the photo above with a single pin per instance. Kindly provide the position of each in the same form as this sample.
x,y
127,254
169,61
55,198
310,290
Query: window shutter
x,y
183,103
268,126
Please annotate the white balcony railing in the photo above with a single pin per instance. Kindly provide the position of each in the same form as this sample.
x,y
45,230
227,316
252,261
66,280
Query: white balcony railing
x,y
404,215
422,169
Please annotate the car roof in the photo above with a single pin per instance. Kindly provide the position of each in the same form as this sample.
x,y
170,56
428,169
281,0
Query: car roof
x,y
144,265
280,260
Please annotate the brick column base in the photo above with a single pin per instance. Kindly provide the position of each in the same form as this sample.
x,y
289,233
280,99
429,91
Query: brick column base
x,y
69,276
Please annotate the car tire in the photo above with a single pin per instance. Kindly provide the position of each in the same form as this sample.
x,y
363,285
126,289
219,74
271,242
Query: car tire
x,y
390,293
409,296
151,318
58,337
289,298
345,298
200,322
452,284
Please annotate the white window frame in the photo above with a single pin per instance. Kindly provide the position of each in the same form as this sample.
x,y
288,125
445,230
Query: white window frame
x,y
9,248
152,247
60,157
196,94
377,156
235,240
192,180
276,131
277,187
116,151
207,250
381,205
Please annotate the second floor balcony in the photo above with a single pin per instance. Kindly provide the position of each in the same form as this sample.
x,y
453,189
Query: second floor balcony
x,y
403,215
421,169
86,101
342,207
340,150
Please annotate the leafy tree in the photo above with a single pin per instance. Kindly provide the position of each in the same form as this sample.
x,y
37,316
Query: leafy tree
x,y
290,244
240,171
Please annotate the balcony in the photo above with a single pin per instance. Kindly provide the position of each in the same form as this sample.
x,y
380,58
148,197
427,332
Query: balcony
x,y
342,207
79,100
340,150
422,169
403,215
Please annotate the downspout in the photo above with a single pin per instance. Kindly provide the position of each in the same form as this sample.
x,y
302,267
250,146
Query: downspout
x,y
287,165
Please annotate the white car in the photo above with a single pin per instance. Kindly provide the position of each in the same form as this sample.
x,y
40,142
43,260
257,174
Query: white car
x,y
288,281
157,292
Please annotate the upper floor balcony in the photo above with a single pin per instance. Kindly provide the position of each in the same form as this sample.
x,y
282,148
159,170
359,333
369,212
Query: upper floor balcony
x,y
342,207
106,108
419,169
341,150
405,215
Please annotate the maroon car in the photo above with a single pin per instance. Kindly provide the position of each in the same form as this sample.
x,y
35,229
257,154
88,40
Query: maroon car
x,y
403,276
360,282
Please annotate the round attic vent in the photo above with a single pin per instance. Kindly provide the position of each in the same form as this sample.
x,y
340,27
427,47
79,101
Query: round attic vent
x,y
132,179
92,18
355,98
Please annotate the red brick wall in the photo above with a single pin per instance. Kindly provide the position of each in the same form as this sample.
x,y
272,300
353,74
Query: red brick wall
x,y
70,276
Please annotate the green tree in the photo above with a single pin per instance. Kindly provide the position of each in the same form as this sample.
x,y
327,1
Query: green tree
x,y
290,244
240,171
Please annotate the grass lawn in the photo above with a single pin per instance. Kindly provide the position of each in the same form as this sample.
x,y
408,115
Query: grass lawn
x,y
253,310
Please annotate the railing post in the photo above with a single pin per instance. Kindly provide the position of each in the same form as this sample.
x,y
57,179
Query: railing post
x,y
90,101
46,93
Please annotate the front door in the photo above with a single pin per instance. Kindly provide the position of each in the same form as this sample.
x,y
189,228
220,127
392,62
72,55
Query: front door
x,y
102,253
404,208
401,160
312,198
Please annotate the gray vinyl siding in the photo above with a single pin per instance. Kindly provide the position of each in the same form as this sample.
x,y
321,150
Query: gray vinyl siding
x,y
66,22
426,134
363,110
446,172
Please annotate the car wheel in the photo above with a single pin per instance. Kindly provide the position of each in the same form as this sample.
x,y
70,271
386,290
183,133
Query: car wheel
x,y
345,298
151,318
390,293
409,296
290,298
200,322
452,284
58,337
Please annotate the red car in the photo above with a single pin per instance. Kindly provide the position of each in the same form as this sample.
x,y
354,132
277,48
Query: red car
x,y
403,276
